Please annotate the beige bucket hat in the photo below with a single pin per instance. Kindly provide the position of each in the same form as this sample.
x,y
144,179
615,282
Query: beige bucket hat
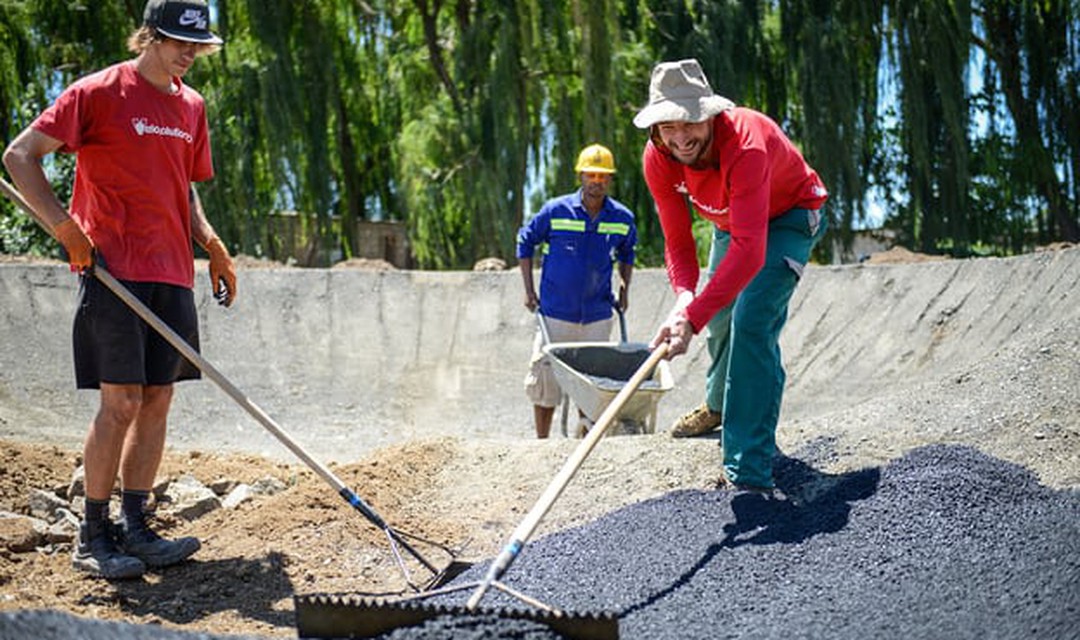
x,y
679,91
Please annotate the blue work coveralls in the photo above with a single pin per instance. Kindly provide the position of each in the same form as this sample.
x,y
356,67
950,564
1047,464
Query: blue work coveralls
x,y
575,283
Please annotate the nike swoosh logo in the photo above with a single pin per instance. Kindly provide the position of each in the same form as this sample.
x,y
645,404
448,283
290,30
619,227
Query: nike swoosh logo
x,y
189,19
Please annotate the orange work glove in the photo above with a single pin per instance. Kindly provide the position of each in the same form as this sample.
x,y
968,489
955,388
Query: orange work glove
x,y
222,272
79,247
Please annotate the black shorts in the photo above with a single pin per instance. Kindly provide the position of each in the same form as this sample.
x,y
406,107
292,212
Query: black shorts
x,y
114,345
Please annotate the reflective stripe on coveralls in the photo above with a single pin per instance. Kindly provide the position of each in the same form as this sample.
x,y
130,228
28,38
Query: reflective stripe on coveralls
x,y
613,228
567,224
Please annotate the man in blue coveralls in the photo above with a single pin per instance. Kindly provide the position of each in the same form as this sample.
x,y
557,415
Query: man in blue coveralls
x,y
585,232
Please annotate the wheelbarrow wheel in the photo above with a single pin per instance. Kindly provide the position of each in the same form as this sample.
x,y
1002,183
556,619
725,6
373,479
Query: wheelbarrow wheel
x,y
584,424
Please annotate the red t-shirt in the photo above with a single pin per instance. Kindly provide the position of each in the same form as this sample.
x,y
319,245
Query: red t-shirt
x,y
758,175
138,151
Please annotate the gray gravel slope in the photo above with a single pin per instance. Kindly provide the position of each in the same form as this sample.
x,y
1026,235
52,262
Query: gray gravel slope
x,y
945,542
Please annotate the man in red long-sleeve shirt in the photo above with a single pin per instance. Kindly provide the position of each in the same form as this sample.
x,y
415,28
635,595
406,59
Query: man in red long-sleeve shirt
x,y
736,168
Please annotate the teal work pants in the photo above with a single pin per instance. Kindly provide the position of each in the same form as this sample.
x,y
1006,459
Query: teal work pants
x,y
745,380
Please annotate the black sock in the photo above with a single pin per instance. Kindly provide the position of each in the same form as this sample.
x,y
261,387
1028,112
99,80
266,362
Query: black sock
x,y
97,515
132,508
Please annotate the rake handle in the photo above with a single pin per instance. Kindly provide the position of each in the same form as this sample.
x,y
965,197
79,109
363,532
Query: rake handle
x,y
208,369
525,530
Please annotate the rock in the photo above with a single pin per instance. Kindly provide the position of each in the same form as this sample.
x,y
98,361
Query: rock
x,y
268,486
223,487
490,264
189,499
77,488
21,534
242,493
238,496
46,505
63,531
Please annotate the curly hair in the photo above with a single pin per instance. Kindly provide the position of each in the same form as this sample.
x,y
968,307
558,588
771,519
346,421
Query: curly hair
x,y
141,39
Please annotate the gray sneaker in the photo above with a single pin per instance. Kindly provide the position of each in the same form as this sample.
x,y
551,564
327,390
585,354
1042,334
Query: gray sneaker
x,y
100,557
151,548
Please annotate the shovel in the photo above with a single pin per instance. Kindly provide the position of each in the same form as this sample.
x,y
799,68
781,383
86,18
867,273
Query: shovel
x,y
325,616
399,541
524,531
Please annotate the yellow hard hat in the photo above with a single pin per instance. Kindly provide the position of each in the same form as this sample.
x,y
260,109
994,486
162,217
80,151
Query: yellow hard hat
x,y
595,158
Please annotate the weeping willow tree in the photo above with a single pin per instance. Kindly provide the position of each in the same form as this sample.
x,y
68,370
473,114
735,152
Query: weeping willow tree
x,y
463,151
283,114
1000,183
459,117
1032,62
18,68
522,84
930,41
833,53
594,77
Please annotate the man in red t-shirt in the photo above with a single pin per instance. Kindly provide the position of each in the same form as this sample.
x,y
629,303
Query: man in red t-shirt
x,y
737,169
140,139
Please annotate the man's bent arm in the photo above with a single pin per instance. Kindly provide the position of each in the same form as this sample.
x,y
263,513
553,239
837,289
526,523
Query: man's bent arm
x,y
23,161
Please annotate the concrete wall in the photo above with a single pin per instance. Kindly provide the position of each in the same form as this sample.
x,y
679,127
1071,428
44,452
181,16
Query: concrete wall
x,y
344,360
348,360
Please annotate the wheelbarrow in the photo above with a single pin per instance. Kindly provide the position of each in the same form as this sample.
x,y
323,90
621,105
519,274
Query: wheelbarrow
x,y
592,373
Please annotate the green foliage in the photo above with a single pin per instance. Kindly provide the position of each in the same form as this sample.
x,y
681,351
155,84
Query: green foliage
x,y
459,117
18,62
19,234
433,157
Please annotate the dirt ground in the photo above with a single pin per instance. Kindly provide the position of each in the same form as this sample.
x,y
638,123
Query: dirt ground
x,y
306,539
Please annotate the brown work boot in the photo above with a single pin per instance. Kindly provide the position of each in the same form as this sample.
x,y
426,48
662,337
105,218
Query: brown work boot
x,y
696,423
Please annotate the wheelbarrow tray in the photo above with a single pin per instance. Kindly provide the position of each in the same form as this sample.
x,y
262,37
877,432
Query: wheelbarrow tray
x,y
592,373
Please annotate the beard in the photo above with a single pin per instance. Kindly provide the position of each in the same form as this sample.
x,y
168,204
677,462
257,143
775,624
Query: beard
x,y
692,152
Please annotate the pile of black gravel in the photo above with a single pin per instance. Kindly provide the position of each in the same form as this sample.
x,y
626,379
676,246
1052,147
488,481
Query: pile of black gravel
x,y
942,543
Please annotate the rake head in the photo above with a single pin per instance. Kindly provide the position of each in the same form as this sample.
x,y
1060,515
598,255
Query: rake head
x,y
437,577
355,616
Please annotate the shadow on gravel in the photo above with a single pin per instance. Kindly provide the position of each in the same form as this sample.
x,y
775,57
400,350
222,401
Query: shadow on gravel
x,y
196,590
811,503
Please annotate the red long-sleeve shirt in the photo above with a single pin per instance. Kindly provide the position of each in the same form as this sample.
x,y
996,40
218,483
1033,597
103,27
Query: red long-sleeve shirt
x,y
756,175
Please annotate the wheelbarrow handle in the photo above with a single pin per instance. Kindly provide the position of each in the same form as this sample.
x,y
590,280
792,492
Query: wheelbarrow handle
x,y
622,322
542,322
